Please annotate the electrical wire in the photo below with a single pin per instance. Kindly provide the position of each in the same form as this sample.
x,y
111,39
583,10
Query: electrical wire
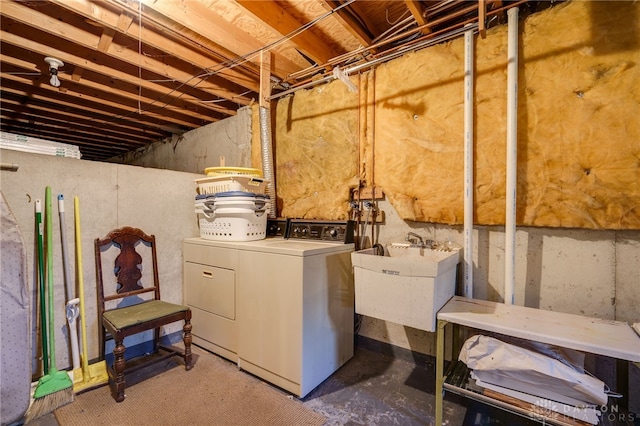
x,y
386,15
139,56
421,42
205,73
394,28
418,43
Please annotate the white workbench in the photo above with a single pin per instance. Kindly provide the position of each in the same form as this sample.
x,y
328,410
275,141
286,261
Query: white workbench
x,y
613,339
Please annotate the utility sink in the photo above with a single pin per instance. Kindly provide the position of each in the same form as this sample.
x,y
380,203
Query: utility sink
x,y
419,261
407,286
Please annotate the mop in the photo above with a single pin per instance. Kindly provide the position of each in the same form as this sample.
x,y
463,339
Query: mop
x,y
55,388
72,310
93,375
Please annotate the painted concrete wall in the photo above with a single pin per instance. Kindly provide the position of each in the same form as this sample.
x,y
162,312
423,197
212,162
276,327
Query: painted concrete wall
x,y
585,272
200,148
160,202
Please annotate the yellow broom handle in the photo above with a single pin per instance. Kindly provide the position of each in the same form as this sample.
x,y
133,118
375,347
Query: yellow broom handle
x,y
83,318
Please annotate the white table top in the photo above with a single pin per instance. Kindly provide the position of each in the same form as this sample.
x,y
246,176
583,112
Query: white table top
x,y
604,337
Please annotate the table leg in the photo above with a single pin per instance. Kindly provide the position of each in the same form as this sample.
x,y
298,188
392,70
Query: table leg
x,y
439,370
622,382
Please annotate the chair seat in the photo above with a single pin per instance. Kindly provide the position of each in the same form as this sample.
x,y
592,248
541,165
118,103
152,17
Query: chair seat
x,y
153,314
129,316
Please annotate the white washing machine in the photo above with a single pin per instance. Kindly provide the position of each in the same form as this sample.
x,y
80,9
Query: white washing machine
x,y
288,308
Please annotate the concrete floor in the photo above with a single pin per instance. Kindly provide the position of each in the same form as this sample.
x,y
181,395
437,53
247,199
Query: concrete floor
x,y
375,388
383,386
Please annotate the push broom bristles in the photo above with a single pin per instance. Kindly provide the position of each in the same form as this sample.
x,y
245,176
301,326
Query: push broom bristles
x,y
53,391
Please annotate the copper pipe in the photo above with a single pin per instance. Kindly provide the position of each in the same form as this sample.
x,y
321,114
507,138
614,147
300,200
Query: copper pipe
x,y
360,66
12,167
443,6
353,54
374,46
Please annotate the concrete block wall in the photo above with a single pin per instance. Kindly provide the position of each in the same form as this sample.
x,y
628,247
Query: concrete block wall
x,y
200,148
160,202
585,272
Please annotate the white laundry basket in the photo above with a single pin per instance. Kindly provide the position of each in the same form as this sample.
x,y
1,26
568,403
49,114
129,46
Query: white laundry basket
x,y
232,216
225,183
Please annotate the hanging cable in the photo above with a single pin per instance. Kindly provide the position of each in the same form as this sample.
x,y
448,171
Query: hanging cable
x,y
139,56
232,63
205,73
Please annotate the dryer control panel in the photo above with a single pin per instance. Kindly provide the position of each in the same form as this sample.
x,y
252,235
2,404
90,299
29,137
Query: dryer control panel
x,y
320,230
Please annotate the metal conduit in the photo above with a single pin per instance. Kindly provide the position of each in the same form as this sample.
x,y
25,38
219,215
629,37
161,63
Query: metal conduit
x,y
394,55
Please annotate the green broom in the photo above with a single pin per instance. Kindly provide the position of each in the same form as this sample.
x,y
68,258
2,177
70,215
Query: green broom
x,y
43,306
55,388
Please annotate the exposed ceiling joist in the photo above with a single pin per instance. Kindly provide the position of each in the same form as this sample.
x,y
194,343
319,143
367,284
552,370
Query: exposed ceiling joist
x,y
196,16
415,7
348,22
284,24
136,72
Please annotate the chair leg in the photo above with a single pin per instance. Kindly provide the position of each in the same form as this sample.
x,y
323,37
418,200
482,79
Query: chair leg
x,y
187,344
156,340
118,366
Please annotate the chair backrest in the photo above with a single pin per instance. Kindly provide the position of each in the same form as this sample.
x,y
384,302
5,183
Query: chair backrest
x,y
127,268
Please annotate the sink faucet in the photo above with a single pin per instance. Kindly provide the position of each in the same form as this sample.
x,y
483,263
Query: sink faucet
x,y
414,241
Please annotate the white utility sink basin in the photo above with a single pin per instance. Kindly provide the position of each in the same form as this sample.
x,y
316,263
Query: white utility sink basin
x,y
407,286
404,259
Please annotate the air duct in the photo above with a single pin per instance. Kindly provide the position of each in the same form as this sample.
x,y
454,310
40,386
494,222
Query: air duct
x,y
267,158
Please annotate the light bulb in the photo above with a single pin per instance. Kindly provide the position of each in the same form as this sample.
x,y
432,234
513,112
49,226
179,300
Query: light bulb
x,y
55,82
54,64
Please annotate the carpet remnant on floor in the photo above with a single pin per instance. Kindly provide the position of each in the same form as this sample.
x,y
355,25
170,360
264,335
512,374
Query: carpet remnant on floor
x,y
214,392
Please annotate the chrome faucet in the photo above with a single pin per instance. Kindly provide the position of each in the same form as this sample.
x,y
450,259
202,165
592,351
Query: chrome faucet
x,y
417,241
414,241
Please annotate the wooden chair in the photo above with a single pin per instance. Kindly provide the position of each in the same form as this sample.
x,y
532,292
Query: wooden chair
x,y
133,305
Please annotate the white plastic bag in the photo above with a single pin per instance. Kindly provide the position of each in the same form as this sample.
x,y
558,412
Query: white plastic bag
x,y
513,367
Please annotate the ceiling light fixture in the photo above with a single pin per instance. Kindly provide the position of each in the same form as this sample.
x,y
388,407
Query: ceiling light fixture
x,y
53,69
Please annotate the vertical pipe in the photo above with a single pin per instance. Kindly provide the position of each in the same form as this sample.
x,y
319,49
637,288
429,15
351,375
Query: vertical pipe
x,y
512,156
468,164
12,167
267,158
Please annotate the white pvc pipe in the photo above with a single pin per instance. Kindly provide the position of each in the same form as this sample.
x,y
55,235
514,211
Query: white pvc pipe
x,y
512,157
468,165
